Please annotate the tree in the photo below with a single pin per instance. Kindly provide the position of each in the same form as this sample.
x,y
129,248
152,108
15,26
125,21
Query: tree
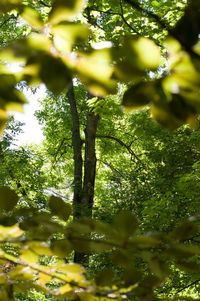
x,y
174,97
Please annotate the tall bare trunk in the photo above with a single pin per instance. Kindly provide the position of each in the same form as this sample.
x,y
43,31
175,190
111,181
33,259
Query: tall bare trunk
x,y
83,188
77,149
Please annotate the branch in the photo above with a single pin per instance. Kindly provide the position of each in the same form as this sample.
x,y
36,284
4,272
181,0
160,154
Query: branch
x,y
121,143
7,20
163,24
122,16
112,168
149,14
37,269
62,143
44,4
187,286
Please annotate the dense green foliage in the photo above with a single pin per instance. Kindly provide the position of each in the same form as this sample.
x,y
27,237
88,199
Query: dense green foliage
x,y
140,222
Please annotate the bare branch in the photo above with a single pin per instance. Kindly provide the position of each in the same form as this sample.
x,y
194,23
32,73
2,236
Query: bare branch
x,y
123,18
187,286
131,152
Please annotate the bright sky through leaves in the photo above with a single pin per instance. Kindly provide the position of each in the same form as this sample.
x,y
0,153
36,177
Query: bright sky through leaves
x,y
32,132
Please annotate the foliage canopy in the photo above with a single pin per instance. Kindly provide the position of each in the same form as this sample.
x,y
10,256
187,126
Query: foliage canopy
x,y
55,48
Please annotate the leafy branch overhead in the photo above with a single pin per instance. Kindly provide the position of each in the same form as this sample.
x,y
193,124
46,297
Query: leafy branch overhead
x,y
118,239
163,74
53,55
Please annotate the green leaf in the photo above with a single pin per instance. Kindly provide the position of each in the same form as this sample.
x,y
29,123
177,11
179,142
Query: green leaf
x,y
28,256
3,120
159,268
174,113
63,10
148,53
105,278
40,248
156,4
121,257
134,57
139,95
90,246
125,223
190,267
8,198
22,273
61,248
7,5
188,27
23,49
185,230
32,17
180,251
99,79
7,221
60,208
131,276
66,34
144,242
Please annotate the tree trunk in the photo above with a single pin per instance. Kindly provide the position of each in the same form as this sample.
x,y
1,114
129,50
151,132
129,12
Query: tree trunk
x,y
90,163
77,149
83,189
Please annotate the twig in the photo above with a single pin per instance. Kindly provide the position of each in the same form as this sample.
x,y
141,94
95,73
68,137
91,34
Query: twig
x,y
187,286
7,20
122,16
131,152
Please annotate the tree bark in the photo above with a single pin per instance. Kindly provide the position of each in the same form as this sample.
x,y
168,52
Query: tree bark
x,y
83,188
90,163
77,150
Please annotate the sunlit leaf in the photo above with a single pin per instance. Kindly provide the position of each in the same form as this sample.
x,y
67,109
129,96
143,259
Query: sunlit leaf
x,y
66,34
13,231
148,52
32,17
3,119
98,79
40,248
72,268
64,289
22,273
44,278
84,296
65,10
134,57
23,49
29,256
